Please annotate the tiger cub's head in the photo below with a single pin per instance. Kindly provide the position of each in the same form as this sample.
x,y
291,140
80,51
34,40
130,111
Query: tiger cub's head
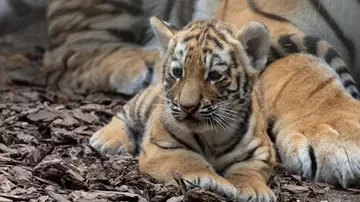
x,y
209,67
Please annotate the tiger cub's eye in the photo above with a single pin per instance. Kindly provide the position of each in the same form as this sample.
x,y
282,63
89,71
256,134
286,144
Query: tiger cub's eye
x,y
214,76
177,72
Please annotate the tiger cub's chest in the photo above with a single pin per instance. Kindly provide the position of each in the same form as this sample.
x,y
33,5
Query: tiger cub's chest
x,y
221,149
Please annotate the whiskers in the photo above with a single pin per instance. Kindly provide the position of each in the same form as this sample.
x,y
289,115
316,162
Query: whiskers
x,y
220,118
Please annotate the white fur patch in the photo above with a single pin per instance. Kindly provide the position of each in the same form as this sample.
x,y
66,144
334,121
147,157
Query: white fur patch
x,y
128,87
206,9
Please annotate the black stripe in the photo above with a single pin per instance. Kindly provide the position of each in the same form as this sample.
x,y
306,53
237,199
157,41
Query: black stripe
x,y
214,56
339,33
132,106
341,70
133,134
355,95
152,141
215,41
249,155
313,161
175,59
254,8
187,146
240,131
274,55
218,33
199,142
269,129
246,84
140,105
311,42
330,55
190,37
233,59
151,107
122,35
237,84
150,74
348,83
288,45
136,134
206,50
134,8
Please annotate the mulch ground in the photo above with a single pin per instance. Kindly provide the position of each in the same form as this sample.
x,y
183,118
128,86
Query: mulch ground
x,y
45,156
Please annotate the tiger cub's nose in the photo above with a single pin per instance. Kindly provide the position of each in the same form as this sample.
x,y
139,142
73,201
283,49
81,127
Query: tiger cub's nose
x,y
190,109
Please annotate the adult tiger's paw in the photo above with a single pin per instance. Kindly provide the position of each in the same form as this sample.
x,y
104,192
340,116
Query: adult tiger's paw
x,y
134,70
214,184
113,138
324,147
101,68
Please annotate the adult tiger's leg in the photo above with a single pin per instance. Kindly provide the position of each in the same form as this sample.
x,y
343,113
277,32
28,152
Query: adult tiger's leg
x,y
94,46
315,123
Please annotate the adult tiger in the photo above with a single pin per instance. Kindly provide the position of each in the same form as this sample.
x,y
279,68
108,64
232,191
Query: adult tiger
x,y
114,33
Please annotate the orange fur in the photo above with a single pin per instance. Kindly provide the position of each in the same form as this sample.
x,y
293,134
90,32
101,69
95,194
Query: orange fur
x,y
315,122
310,109
87,54
173,142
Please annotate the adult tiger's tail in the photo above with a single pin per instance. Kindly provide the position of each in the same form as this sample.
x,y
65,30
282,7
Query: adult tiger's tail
x,y
300,43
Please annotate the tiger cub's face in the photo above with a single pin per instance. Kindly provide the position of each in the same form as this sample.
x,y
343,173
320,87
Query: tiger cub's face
x,y
209,67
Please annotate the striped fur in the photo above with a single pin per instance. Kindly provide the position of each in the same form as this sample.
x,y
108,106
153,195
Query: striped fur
x,y
118,28
94,52
300,43
314,122
202,120
312,118
287,36
113,44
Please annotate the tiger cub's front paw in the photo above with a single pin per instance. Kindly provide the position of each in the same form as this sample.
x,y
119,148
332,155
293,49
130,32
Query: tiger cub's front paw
x,y
113,139
214,184
256,191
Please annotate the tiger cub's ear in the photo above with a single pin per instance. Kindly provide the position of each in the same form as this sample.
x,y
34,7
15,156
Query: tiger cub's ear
x,y
256,41
163,31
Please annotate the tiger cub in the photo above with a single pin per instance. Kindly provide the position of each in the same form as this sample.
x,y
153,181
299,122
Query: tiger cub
x,y
202,120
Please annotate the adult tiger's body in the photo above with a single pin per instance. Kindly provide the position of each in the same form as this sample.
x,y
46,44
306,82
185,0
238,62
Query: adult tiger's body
x,y
120,28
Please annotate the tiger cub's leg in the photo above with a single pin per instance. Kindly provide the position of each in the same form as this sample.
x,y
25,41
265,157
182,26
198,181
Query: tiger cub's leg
x,y
98,52
251,174
125,131
316,124
162,155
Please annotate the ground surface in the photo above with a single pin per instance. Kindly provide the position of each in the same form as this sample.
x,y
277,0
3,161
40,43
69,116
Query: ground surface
x,y
45,156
